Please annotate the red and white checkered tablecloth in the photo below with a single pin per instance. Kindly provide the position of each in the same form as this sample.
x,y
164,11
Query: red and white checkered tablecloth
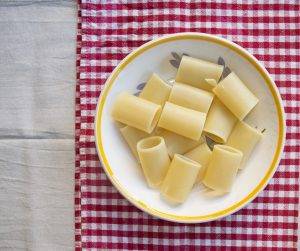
x,y
107,32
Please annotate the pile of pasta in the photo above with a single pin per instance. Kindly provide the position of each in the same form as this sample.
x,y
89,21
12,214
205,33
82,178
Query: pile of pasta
x,y
165,127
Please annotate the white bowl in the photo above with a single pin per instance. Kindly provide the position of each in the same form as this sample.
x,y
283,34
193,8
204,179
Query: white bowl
x,y
158,56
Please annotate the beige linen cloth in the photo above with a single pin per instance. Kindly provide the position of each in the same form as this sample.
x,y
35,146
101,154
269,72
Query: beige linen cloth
x,y
37,87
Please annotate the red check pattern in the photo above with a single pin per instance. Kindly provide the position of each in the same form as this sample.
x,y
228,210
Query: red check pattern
x,y
107,32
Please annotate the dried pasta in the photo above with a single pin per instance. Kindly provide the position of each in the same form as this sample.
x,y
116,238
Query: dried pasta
x,y
183,121
191,97
154,159
219,123
177,143
132,136
193,71
156,90
202,155
180,179
244,138
223,167
236,96
136,112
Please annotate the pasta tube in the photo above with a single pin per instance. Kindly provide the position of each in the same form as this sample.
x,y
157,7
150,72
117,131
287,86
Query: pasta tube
x,y
180,179
191,97
154,159
183,121
235,95
136,112
244,138
211,84
193,71
200,154
223,167
176,143
132,136
156,90
219,123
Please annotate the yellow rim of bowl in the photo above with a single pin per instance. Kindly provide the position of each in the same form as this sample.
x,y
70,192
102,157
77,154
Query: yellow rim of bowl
x,y
281,127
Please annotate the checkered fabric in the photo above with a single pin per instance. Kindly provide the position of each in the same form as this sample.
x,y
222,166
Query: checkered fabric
x,y
107,32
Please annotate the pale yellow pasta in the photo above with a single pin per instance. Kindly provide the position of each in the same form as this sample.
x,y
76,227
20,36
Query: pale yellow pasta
x,y
211,83
193,71
132,136
165,129
235,95
136,112
183,121
154,159
219,123
191,97
156,90
200,154
244,138
177,143
180,179
222,169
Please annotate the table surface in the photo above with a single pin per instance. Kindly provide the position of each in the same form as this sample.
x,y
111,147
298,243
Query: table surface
x,y
37,89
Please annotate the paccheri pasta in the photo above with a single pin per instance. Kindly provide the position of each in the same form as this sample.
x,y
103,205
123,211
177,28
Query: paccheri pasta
x,y
223,167
219,123
136,112
154,159
196,72
191,97
200,154
156,90
166,125
132,136
180,179
177,143
181,120
236,96
244,138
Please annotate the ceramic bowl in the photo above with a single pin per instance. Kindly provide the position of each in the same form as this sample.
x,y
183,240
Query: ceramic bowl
x,y
162,56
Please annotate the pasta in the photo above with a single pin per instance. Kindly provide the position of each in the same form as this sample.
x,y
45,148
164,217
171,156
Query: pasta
x,y
136,112
180,179
165,129
191,97
154,159
223,167
235,95
183,121
156,90
211,83
176,143
219,123
193,71
132,136
200,154
244,138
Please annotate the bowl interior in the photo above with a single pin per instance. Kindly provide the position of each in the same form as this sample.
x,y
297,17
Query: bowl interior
x,y
201,203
